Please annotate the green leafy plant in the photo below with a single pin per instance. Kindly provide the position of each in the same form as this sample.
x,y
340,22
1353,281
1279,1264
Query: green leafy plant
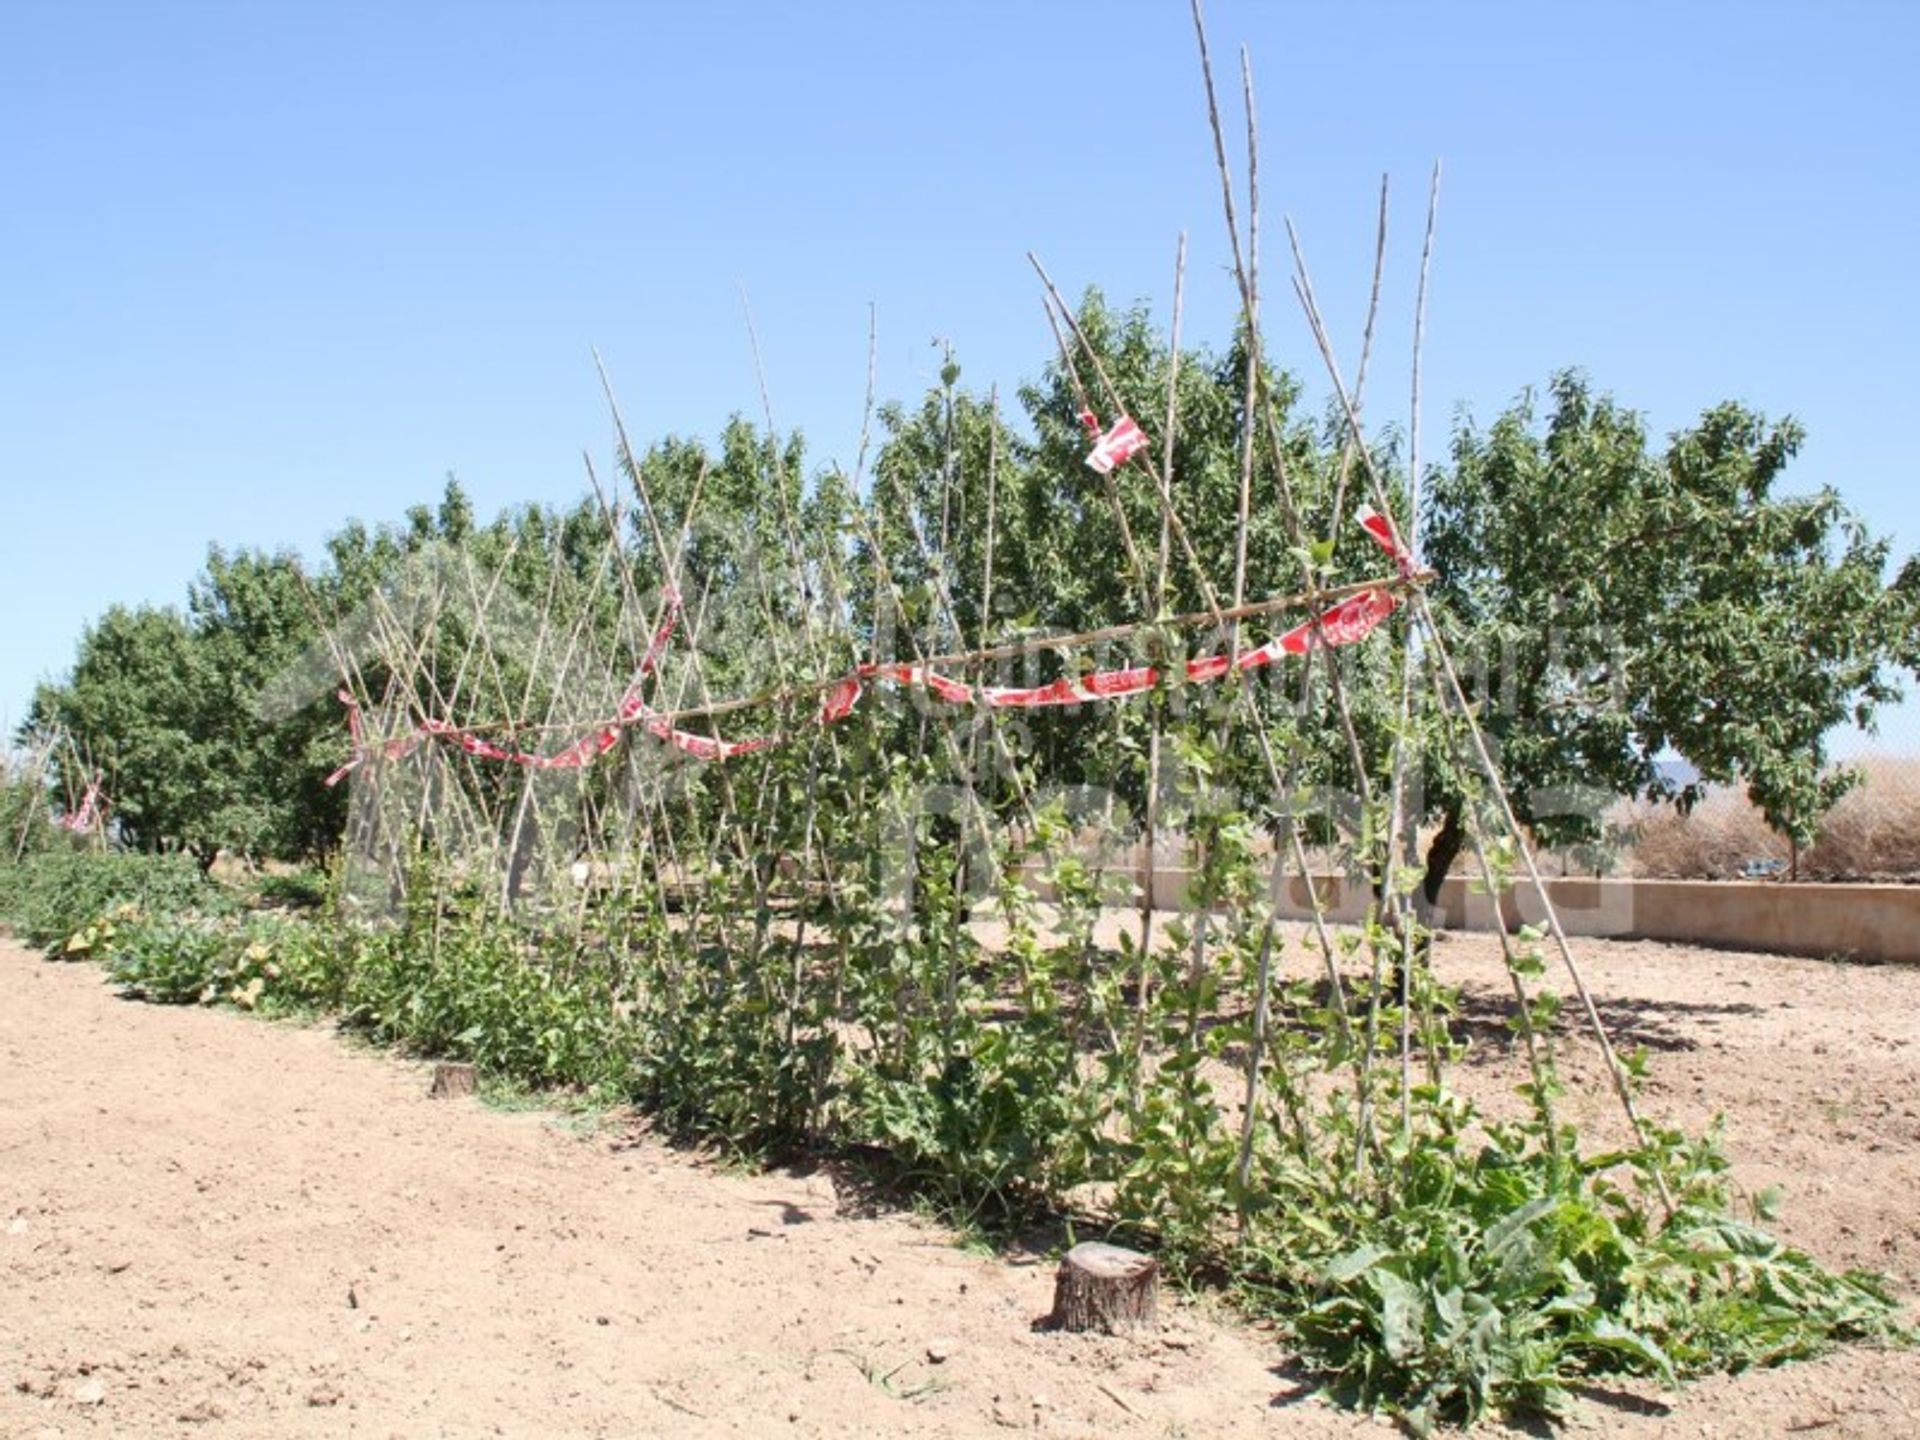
x,y
47,897
1502,1280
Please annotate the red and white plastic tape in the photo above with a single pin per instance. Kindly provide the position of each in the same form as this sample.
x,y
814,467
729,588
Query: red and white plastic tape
x,y
1381,528
1116,447
82,820
1346,623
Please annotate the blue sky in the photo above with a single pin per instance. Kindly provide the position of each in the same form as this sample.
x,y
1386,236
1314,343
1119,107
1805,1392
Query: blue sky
x,y
268,266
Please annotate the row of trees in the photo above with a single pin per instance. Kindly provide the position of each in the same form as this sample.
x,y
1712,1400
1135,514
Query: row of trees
x,y
1617,599
216,723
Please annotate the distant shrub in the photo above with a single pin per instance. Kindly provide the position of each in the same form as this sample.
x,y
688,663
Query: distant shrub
x,y
46,898
24,825
295,889
489,992
1710,842
1873,833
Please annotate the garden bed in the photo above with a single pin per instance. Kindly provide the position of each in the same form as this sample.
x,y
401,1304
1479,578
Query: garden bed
x,y
258,1229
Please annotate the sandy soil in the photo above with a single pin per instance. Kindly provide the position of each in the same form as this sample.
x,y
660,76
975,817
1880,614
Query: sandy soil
x,y
211,1224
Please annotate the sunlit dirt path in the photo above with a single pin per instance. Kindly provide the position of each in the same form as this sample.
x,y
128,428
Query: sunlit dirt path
x,y
212,1224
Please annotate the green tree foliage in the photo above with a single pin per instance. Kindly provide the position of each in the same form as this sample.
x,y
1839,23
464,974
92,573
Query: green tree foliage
x,y
26,824
758,554
1073,551
250,618
1612,602
217,725
142,696
168,705
1622,602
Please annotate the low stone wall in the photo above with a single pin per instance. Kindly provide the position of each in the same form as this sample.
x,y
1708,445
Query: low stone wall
x,y
1862,922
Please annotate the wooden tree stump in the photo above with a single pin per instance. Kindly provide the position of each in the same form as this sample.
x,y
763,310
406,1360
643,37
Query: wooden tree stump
x,y
452,1079
1103,1287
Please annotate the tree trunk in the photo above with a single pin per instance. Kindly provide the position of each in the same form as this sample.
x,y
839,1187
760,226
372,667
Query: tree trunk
x,y
1106,1288
1441,853
521,848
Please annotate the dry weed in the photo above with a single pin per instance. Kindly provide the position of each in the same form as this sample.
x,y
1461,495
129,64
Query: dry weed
x,y
1872,834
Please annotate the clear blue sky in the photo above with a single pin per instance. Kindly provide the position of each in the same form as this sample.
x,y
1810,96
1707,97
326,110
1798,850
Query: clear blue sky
x,y
267,266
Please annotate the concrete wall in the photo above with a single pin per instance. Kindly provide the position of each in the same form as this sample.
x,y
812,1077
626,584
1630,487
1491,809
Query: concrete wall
x,y
1862,922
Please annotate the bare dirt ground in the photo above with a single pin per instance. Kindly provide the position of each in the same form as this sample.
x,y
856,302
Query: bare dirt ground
x,y
210,1224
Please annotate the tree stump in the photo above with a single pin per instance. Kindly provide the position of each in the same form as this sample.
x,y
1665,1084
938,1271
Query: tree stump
x,y
451,1079
1103,1287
